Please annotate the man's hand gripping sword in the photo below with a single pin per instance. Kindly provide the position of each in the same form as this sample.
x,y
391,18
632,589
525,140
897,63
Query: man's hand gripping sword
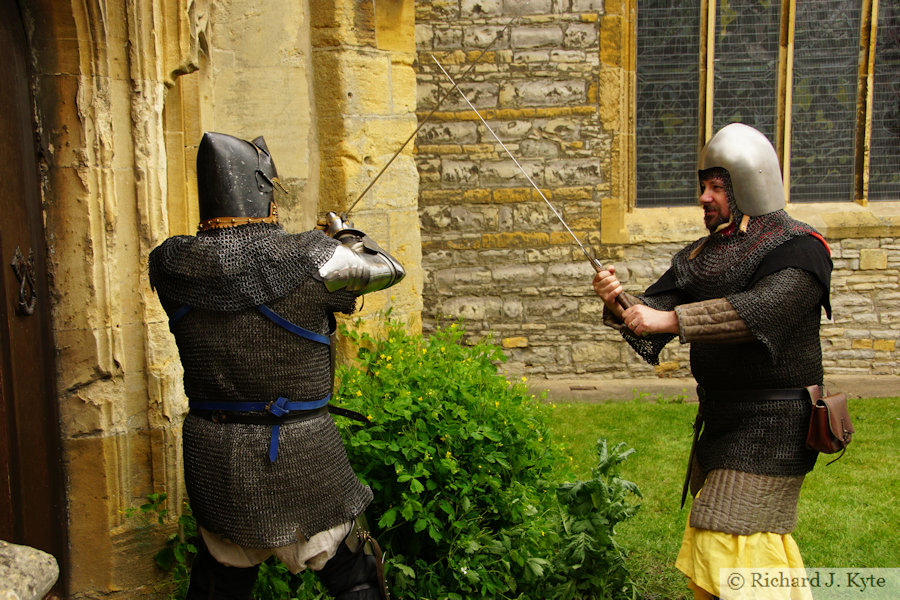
x,y
594,262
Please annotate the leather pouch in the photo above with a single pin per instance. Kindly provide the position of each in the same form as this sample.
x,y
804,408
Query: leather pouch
x,y
830,428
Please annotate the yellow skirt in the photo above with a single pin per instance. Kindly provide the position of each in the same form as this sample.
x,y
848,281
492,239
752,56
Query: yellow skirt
x,y
704,553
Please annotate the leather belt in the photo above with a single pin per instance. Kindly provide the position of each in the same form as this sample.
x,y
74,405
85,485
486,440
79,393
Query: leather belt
x,y
752,395
221,416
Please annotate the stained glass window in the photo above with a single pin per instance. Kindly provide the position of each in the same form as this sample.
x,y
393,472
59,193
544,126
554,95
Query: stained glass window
x,y
746,64
884,156
746,54
823,111
668,55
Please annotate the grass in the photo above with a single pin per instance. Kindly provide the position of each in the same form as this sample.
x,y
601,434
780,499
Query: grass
x,y
848,513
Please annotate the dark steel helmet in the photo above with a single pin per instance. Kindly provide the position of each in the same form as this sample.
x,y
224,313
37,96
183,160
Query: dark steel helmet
x,y
235,178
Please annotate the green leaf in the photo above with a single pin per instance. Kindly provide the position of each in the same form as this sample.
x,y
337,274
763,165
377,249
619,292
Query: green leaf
x,y
387,519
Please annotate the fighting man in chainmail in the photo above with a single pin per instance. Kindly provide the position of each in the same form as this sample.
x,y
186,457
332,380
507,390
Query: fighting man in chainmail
x,y
748,299
252,310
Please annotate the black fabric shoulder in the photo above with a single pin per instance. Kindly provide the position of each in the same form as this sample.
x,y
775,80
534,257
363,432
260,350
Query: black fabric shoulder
x,y
664,284
803,252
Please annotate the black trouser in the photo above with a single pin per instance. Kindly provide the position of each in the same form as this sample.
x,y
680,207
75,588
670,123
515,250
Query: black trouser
x,y
354,573
211,580
348,575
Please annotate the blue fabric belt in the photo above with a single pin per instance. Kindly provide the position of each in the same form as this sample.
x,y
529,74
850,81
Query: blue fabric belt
x,y
178,315
278,408
295,329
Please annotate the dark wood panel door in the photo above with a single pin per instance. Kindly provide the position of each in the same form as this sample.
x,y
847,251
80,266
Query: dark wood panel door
x,y
32,508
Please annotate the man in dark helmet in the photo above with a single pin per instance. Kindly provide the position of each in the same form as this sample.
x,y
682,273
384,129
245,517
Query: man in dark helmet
x,y
252,310
748,299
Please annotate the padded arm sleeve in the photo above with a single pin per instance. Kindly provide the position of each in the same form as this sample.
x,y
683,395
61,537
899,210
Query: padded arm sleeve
x,y
713,322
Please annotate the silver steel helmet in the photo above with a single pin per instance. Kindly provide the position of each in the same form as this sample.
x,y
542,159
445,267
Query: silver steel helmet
x,y
752,163
235,178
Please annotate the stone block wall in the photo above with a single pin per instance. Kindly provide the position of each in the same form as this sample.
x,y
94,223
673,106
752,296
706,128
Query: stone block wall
x,y
555,87
862,338
494,253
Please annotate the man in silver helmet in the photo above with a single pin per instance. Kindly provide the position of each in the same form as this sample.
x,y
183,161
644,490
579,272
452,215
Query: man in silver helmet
x,y
748,299
252,311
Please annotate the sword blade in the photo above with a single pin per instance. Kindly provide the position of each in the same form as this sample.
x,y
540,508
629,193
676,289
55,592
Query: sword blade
x,y
441,97
594,262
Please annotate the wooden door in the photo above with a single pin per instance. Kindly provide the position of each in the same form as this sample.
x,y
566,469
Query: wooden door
x,y
32,508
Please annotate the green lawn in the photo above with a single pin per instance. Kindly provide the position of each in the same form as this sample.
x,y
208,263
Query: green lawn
x,y
849,514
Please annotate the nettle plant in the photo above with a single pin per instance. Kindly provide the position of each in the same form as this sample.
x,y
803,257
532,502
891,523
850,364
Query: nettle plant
x,y
460,460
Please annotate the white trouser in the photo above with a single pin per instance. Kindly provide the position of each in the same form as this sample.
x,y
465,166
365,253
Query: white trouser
x,y
312,553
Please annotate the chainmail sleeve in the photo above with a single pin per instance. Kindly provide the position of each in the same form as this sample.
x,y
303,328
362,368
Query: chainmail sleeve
x,y
648,347
776,308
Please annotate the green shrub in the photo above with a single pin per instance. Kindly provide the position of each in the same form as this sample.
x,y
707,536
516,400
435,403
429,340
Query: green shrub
x,y
179,550
460,461
456,456
590,564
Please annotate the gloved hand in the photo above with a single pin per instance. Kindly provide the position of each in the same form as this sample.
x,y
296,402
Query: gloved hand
x,y
334,224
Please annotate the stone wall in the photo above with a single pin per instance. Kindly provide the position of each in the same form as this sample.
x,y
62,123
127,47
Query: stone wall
x,y
558,89
494,253
101,72
862,339
123,93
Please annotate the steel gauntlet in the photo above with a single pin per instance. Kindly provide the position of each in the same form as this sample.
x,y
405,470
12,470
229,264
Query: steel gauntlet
x,y
358,264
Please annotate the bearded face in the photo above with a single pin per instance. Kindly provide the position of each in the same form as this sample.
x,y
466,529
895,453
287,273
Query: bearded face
x,y
714,201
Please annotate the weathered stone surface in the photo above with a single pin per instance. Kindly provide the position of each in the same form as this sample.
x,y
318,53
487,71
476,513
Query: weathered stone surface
x,y
873,259
25,573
